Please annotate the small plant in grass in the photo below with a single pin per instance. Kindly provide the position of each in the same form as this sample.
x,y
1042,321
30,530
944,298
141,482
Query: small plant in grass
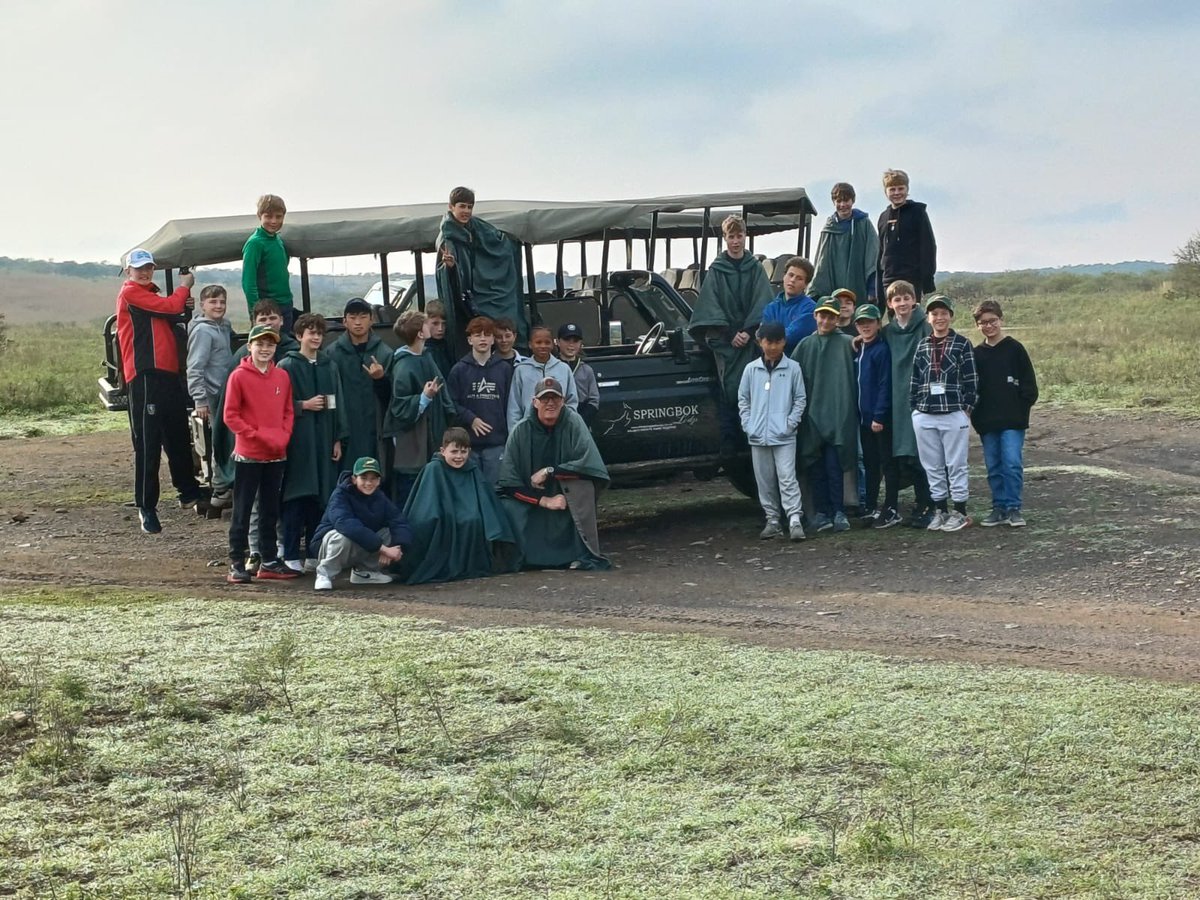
x,y
230,775
56,751
518,785
183,821
272,668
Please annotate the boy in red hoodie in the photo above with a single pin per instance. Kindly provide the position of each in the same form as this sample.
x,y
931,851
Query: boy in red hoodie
x,y
258,410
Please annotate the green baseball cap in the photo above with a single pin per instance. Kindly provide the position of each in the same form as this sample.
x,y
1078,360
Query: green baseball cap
x,y
365,464
262,331
829,305
939,300
867,311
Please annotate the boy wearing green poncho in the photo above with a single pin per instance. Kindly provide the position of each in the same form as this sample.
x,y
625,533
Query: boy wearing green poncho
x,y
728,311
362,361
478,272
829,430
459,529
902,335
550,477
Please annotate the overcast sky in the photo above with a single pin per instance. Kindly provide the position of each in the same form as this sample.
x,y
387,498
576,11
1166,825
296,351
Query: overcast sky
x,y
1040,133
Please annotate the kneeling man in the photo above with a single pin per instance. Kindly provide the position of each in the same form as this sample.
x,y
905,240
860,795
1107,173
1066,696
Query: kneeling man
x,y
550,476
362,528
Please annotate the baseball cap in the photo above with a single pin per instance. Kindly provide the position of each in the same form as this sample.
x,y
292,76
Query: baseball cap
x,y
829,305
262,331
845,292
365,464
772,331
139,257
356,305
548,386
939,300
570,330
867,311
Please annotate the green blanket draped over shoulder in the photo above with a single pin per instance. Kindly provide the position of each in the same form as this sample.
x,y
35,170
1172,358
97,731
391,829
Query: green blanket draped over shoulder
x,y
310,470
831,416
222,437
732,299
363,398
417,433
459,529
550,538
902,342
487,271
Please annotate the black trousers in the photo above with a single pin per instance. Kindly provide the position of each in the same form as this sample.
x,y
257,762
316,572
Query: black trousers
x,y
900,471
877,461
264,481
158,421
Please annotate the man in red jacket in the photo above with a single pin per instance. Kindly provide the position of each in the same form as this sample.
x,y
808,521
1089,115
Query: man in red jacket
x,y
258,410
158,403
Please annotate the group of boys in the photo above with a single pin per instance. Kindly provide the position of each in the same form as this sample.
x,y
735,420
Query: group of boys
x,y
853,404
296,429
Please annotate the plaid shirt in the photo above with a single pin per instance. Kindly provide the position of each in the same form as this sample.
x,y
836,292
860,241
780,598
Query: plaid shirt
x,y
949,361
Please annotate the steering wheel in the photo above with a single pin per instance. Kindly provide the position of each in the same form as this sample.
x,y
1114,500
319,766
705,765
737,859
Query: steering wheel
x,y
650,341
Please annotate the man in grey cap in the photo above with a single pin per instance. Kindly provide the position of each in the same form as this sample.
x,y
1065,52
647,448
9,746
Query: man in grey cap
x,y
550,478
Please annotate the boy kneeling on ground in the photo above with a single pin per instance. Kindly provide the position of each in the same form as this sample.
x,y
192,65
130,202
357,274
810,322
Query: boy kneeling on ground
x,y
362,528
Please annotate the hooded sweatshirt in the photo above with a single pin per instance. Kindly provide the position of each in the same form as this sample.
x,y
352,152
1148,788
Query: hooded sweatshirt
x,y
481,391
795,314
902,341
907,249
360,517
258,410
209,358
527,373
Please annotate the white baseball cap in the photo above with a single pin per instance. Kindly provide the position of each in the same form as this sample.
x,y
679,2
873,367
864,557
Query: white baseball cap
x,y
140,257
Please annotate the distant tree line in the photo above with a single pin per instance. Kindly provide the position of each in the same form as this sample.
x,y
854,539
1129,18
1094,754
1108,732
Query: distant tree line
x,y
1032,283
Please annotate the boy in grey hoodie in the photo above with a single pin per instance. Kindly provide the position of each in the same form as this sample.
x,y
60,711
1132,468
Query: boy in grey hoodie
x,y
209,359
538,367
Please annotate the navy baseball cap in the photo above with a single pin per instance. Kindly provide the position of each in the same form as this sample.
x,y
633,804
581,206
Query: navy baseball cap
x,y
356,305
570,330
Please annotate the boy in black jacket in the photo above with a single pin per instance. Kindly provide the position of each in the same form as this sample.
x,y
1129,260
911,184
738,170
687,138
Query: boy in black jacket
x,y
478,385
1007,391
907,249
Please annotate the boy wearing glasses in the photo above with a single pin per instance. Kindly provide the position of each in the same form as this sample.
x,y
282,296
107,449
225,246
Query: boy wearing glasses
x,y
1007,391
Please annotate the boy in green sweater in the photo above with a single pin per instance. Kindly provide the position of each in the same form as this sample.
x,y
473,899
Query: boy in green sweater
x,y
265,273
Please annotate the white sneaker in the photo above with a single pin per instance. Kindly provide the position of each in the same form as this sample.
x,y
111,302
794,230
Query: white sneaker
x,y
323,583
938,520
955,521
310,565
368,576
295,565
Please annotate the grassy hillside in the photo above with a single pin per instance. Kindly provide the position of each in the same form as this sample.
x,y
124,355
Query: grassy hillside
x,y
28,298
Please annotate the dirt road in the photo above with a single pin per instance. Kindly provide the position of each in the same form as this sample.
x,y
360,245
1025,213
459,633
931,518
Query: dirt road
x,y
1104,579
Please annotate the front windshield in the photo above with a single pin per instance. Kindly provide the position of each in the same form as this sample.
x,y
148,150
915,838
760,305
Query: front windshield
x,y
661,306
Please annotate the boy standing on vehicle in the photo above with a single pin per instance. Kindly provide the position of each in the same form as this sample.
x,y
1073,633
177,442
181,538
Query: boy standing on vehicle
x,y
533,370
847,250
157,400
478,269
829,431
726,316
361,528
902,335
771,402
315,448
362,361
258,410
479,385
907,249
1007,391
570,351
265,273
942,394
873,367
793,307
419,410
209,359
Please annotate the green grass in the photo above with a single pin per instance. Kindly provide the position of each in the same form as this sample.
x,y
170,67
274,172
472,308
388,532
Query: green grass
x,y
50,371
317,753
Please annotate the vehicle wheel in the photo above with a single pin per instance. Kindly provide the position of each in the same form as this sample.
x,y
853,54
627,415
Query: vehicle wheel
x,y
740,473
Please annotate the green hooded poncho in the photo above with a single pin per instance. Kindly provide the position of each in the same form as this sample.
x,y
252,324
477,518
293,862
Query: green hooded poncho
x,y
732,299
487,272
902,342
311,470
459,529
222,437
831,416
363,398
846,257
417,433
554,538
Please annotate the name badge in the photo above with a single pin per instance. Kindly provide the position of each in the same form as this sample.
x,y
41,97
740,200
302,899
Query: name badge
x,y
937,389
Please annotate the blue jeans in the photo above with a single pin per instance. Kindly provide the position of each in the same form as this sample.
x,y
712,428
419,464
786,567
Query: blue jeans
x,y
825,481
1002,453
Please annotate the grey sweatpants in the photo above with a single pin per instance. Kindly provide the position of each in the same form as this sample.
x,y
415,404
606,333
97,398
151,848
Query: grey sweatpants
x,y
338,552
942,447
775,474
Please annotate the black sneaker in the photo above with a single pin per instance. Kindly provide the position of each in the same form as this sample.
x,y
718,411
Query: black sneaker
x,y
237,574
888,518
921,520
189,502
275,569
149,520
253,562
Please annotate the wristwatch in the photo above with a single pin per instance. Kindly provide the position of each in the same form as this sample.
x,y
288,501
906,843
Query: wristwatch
x,y
549,471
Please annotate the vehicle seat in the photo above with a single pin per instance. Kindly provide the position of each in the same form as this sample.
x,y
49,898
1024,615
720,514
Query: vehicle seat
x,y
582,310
689,283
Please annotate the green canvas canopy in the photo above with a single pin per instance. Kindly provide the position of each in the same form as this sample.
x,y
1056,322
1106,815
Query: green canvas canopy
x,y
387,229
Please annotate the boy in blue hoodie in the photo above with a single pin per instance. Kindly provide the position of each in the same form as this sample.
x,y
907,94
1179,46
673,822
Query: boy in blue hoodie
x,y
793,307
873,367
361,528
847,249
478,385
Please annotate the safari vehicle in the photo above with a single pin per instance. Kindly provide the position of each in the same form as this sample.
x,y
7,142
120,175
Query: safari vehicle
x,y
657,411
